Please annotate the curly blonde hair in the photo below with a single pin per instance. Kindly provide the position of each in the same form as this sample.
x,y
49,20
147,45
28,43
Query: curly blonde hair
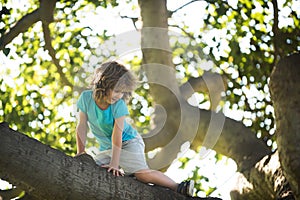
x,y
112,76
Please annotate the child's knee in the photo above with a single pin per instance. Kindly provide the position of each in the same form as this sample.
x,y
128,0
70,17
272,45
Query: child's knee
x,y
143,175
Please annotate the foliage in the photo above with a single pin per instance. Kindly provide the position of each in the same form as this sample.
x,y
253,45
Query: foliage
x,y
33,100
245,40
256,35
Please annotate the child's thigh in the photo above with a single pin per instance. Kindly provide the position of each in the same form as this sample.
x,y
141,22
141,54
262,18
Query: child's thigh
x,y
132,157
103,158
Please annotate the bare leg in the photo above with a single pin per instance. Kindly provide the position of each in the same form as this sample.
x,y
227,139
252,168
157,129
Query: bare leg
x,y
155,177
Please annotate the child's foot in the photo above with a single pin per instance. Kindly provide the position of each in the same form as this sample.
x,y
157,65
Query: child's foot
x,y
186,188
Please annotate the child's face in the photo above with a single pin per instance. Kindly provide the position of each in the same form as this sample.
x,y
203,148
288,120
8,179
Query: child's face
x,y
113,96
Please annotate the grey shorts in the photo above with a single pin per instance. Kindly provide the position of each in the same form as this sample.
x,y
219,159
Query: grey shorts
x,y
132,158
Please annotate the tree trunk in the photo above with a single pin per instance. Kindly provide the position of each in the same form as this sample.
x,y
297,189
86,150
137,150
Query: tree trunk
x,y
46,173
278,176
285,91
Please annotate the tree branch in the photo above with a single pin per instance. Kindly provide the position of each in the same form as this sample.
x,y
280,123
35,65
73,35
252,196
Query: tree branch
x,y
48,9
183,30
181,7
211,130
276,38
52,53
21,26
210,83
47,173
45,14
133,19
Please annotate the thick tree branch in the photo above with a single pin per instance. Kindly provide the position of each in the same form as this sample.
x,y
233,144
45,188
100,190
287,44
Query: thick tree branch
x,y
213,131
209,83
46,173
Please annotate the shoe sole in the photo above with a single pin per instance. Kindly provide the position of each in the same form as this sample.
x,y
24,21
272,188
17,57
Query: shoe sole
x,y
191,188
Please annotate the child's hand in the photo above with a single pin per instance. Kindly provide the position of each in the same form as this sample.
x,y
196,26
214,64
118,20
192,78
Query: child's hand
x,y
115,170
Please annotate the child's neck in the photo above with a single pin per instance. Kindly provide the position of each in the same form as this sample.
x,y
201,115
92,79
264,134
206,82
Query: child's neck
x,y
102,104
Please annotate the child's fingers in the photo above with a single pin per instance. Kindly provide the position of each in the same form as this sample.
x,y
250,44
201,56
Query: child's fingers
x,y
119,172
116,172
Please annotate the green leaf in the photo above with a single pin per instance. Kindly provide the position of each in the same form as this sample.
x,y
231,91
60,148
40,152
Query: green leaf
x,y
6,51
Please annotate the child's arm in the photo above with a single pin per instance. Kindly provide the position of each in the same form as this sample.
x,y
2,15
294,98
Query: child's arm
x,y
116,146
81,132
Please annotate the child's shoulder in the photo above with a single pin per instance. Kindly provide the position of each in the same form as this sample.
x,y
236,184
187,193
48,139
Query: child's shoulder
x,y
120,102
87,93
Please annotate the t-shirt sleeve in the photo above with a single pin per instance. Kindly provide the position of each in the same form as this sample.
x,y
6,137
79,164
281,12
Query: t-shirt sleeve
x,y
120,109
81,103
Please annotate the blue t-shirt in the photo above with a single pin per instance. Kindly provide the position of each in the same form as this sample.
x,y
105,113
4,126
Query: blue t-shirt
x,y
101,122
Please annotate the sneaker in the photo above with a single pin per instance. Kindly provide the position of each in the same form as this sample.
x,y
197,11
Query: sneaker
x,y
186,188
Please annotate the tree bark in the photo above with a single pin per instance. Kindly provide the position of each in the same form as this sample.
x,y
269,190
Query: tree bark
x,y
285,92
266,181
46,173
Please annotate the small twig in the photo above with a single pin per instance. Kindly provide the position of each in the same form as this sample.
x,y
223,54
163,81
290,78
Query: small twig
x,y
187,33
134,19
51,50
181,7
